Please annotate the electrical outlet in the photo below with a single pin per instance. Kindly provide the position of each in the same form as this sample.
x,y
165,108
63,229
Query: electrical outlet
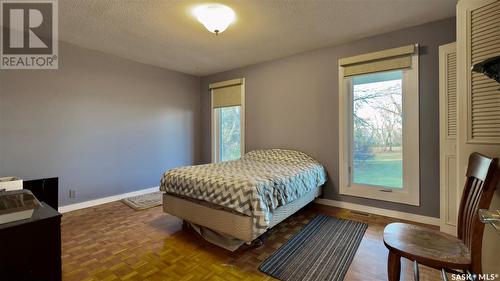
x,y
72,193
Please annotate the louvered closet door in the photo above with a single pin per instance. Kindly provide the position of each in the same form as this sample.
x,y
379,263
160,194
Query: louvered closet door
x,y
484,96
448,137
478,130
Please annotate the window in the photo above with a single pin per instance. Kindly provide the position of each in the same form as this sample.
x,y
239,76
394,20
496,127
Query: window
x,y
229,132
377,119
379,156
227,120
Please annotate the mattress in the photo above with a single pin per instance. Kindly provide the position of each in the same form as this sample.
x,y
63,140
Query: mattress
x,y
253,186
227,222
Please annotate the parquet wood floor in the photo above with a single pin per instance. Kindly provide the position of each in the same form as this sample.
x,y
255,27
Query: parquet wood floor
x,y
114,242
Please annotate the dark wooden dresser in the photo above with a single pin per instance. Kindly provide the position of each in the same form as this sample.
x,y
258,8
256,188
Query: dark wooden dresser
x,y
30,250
44,190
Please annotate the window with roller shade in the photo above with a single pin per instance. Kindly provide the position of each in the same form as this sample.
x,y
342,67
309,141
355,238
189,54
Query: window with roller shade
x,y
378,109
227,120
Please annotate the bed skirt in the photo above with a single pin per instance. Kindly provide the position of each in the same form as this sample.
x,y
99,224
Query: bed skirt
x,y
226,222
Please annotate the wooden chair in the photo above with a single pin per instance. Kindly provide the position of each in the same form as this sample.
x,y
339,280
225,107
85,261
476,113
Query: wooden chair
x,y
437,249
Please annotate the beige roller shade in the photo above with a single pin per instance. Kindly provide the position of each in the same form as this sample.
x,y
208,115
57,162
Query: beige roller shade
x,y
391,59
227,93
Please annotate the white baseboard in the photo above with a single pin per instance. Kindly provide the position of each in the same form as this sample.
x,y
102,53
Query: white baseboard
x,y
328,202
379,211
99,201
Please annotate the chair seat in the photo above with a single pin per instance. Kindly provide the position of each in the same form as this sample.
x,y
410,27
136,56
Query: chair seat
x,y
427,246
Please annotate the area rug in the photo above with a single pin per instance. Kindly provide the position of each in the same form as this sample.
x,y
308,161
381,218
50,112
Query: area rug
x,y
322,250
145,201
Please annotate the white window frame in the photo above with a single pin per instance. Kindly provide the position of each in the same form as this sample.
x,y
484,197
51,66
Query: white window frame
x,y
215,128
410,193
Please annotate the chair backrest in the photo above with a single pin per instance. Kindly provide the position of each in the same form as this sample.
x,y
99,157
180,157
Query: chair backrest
x,y
482,178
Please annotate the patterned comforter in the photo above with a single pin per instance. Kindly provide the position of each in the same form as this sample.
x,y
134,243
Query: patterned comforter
x,y
255,185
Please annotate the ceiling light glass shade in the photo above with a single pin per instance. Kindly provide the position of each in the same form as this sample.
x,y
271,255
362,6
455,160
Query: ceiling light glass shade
x,y
215,17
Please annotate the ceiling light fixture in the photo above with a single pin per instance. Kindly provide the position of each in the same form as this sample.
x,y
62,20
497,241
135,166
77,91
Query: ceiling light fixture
x,y
215,17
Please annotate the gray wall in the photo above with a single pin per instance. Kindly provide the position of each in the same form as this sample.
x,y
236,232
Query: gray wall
x,y
293,103
107,125
102,124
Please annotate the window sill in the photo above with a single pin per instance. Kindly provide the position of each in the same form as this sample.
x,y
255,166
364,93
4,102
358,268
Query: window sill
x,y
402,197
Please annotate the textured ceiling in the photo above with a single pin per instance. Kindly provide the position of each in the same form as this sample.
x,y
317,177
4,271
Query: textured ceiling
x,y
164,33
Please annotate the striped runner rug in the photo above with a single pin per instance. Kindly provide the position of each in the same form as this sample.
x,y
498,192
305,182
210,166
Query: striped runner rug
x,y
322,250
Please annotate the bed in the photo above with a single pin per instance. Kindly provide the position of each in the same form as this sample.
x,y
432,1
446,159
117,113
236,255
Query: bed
x,y
243,198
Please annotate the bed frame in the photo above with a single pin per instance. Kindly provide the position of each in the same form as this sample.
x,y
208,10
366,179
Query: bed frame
x,y
226,222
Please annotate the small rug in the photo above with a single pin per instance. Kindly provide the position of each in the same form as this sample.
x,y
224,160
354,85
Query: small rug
x,y
322,250
145,201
